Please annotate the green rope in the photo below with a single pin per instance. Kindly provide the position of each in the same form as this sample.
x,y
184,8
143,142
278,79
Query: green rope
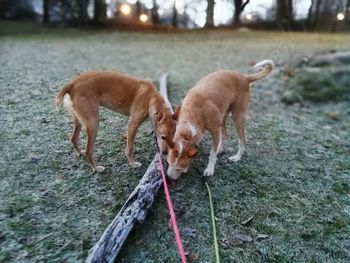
x,y
216,246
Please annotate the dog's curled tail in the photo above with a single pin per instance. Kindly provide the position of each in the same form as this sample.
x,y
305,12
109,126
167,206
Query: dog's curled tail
x,y
266,67
60,95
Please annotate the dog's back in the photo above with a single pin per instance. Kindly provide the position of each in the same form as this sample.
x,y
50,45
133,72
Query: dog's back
x,y
221,88
109,89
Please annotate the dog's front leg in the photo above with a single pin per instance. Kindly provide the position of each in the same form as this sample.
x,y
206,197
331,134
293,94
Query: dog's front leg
x,y
217,141
133,125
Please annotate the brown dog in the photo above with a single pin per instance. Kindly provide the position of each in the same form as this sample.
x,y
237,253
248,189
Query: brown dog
x,y
206,108
126,95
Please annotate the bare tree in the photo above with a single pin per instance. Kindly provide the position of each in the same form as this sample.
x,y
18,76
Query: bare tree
x,y
210,13
46,16
322,13
174,19
284,13
19,9
154,11
347,11
239,7
284,10
314,12
99,10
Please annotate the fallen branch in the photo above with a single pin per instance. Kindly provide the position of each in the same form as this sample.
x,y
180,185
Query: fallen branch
x,y
134,210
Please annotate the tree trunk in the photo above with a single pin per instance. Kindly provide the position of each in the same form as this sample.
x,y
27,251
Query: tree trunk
x,y
284,10
46,16
155,15
138,9
347,12
174,19
83,13
99,10
210,13
316,13
239,7
284,13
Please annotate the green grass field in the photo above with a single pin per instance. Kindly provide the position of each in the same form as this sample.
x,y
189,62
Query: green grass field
x,y
294,180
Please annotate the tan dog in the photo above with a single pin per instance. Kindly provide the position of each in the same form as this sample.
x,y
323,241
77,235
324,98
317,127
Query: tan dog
x,y
126,95
206,108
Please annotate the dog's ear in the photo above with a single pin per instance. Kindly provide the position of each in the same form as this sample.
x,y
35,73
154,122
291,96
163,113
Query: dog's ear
x,y
187,135
160,115
192,152
176,113
170,142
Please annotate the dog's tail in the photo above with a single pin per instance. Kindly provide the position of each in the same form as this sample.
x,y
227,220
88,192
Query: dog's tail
x,y
59,97
265,67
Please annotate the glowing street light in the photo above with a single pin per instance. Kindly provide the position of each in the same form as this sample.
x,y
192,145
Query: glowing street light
x,y
340,16
125,9
143,18
249,16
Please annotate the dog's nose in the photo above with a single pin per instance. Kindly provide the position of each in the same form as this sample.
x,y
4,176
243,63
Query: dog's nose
x,y
172,174
172,177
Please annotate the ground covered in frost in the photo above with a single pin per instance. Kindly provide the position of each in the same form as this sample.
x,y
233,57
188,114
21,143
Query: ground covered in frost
x,y
286,201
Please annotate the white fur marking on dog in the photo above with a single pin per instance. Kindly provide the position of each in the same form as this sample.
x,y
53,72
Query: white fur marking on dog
x,y
67,102
193,129
266,62
238,156
181,146
209,171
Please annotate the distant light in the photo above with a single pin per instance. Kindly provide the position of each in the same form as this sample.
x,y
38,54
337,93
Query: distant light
x,y
143,18
125,9
249,16
109,13
340,16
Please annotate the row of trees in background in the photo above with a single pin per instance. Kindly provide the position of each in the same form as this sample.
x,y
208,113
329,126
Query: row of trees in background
x,y
74,10
322,13
65,11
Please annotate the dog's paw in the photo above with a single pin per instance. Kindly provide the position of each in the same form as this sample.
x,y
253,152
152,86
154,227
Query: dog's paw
x,y
234,158
221,150
208,172
135,164
79,153
100,169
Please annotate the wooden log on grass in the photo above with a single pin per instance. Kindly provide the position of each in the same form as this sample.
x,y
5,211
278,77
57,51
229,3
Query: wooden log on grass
x,y
135,208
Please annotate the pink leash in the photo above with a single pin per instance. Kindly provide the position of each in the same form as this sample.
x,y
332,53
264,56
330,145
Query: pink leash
x,y
171,210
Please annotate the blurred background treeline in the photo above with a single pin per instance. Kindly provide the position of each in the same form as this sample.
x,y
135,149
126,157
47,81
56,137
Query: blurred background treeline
x,y
287,15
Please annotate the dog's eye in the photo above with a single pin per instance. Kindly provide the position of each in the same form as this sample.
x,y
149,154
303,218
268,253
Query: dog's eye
x,y
163,137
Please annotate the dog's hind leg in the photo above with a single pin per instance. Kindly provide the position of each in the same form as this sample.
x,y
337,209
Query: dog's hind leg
x,y
238,116
91,131
224,127
87,114
224,133
75,134
133,125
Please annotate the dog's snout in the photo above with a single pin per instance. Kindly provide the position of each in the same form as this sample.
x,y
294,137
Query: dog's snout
x,y
173,174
